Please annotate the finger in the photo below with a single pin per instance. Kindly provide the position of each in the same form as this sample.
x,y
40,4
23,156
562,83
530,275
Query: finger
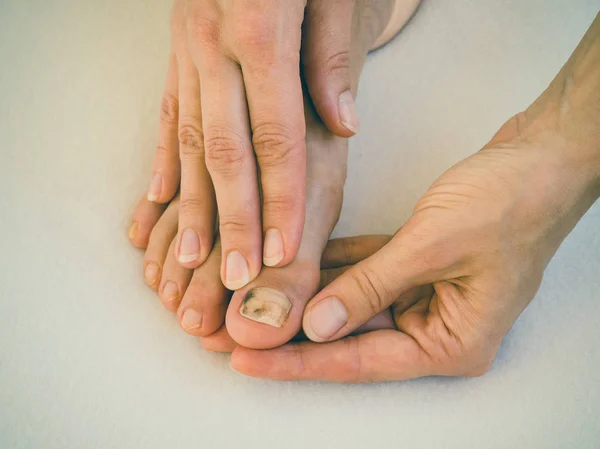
x,y
366,289
145,216
377,356
174,280
158,246
327,63
351,250
269,57
232,167
220,341
197,209
166,170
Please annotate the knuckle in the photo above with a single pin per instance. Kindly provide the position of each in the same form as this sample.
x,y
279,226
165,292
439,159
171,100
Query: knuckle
x,y
191,205
255,33
204,30
275,145
234,224
373,294
281,204
190,139
169,109
337,61
224,152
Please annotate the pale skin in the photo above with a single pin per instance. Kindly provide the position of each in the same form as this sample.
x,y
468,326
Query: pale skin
x,y
455,277
233,103
267,312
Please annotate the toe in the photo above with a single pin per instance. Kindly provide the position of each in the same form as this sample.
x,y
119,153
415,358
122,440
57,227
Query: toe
x,y
158,246
174,280
220,341
145,217
202,309
268,312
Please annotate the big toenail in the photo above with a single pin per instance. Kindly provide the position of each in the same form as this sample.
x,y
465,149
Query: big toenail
x,y
266,305
236,271
151,273
155,187
189,248
170,291
273,252
326,318
133,228
191,319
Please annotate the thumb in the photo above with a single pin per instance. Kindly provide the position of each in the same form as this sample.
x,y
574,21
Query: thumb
x,y
368,288
328,63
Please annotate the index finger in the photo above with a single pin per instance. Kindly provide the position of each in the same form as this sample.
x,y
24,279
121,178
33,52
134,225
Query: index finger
x,y
378,356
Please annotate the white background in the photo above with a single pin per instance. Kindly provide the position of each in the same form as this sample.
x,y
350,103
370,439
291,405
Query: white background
x,y
88,356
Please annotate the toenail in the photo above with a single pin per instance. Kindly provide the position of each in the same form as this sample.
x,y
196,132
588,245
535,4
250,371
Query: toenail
x,y
189,248
326,318
155,187
236,271
133,228
170,291
273,252
191,319
347,111
266,305
151,273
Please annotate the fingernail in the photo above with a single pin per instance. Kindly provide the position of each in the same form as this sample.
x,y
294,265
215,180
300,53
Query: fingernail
x,y
155,187
236,271
266,305
189,248
327,317
151,273
191,319
170,291
133,228
273,252
347,111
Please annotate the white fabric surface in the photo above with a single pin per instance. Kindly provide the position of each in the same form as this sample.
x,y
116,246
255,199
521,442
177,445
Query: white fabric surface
x,y
88,356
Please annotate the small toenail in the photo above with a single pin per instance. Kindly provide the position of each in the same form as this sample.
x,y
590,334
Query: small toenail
x,y
151,273
191,319
326,318
155,187
347,111
236,271
189,248
133,228
170,291
266,305
273,252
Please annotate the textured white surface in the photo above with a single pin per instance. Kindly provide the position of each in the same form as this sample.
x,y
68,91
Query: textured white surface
x,y
88,356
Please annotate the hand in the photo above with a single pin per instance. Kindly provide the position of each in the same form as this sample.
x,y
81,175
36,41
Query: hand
x,y
461,270
236,64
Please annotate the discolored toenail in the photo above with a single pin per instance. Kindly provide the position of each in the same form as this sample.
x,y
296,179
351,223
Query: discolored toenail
x,y
155,187
191,319
266,305
133,228
151,273
170,291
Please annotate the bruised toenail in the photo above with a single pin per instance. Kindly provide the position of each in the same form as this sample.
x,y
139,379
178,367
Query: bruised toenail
x,y
191,319
326,318
155,187
133,228
273,252
266,305
347,111
236,271
151,273
170,291
189,247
